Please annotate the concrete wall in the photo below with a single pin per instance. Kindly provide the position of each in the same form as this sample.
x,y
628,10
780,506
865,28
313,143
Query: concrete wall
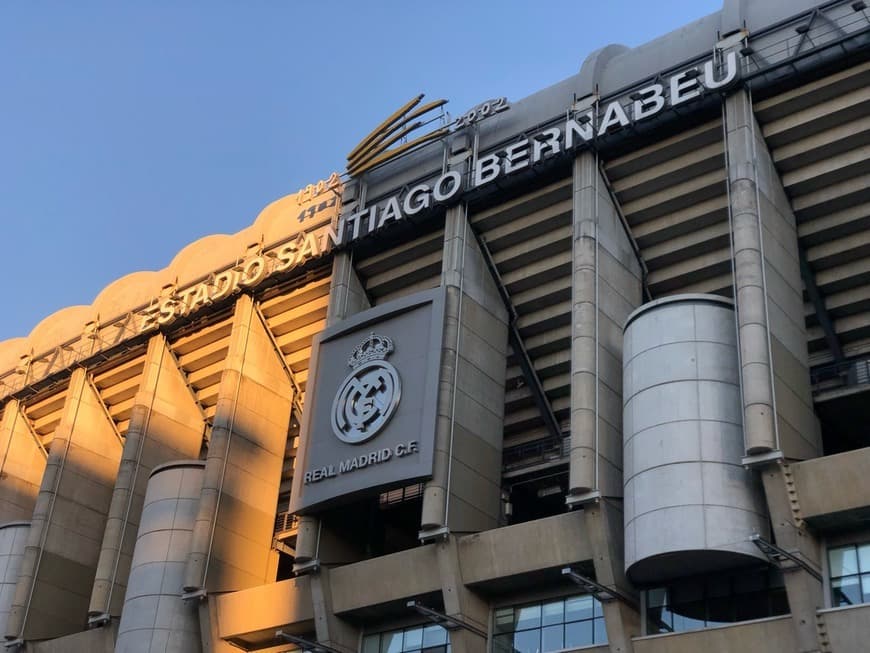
x,y
464,495
606,288
22,467
63,547
166,424
769,295
231,544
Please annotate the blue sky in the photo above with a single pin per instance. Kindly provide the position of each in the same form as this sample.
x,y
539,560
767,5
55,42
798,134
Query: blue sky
x,y
129,129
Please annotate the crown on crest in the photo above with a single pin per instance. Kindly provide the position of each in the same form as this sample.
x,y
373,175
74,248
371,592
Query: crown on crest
x,y
375,347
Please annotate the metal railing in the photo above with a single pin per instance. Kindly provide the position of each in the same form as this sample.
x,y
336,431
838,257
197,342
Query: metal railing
x,y
533,453
842,374
285,521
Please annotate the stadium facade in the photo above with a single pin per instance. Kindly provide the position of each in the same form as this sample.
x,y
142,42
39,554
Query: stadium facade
x,y
583,371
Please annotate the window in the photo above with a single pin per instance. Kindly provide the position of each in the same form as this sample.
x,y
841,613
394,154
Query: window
x,y
695,603
549,625
850,574
418,639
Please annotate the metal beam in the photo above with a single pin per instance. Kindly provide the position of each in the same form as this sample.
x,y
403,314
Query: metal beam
x,y
448,622
809,278
596,589
305,644
515,339
779,556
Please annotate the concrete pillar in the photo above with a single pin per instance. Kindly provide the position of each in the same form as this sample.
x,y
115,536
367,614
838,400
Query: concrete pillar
x,y
805,593
63,547
606,288
777,399
330,629
603,521
22,465
346,297
464,496
460,602
166,424
313,541
232,536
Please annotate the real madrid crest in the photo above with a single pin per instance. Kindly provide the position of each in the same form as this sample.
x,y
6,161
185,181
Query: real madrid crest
x,y
369,395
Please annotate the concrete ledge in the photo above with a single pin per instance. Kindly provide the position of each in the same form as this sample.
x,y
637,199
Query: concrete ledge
x,y
251,617
524,549
385,580
834,491
774,635
848,628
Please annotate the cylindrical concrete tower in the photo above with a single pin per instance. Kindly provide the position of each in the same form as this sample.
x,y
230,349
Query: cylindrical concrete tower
x,y
13,539
690,506
154,616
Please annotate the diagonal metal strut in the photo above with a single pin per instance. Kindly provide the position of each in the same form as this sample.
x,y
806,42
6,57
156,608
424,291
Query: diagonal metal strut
x,y
519,348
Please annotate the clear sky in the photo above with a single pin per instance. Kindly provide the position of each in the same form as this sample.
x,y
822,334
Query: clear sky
x,y
131,128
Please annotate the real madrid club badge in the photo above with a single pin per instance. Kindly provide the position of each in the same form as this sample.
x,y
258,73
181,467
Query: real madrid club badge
x,y
369,395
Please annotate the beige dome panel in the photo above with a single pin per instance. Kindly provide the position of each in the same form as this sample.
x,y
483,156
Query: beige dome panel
x,y
279,220
129,292
60,327
204,256
11,352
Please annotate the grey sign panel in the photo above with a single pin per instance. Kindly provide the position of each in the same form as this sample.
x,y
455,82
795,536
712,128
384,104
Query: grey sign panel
x,y
370,406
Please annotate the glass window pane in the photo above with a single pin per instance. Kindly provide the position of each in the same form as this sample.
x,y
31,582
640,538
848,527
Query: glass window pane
x,y
720,610
843,561
578,607
578,633
688,617
865,587
371,643
413,639
752,606
552,638
864,557
659,620
600,631
503,644
596,608
391,642
528,616
434,635
553,613
504,620
846,591
778,602
528,641
657,597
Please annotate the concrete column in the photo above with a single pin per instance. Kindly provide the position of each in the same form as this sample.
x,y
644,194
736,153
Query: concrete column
x,y
777,399
606,288
63,547
232,536
465,496
330,629
603,521
346,297
459,601
166,424
805,593
22,465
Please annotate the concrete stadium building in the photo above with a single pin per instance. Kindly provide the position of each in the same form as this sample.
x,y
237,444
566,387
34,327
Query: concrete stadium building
x,y
583,371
